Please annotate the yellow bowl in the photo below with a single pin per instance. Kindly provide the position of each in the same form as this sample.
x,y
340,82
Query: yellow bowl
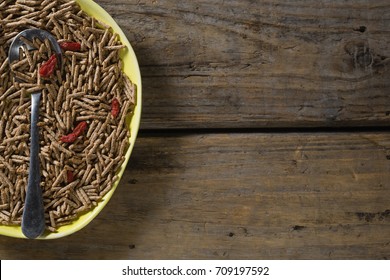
x,y
131,69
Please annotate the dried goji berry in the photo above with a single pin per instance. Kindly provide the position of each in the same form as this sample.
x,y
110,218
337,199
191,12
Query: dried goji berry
x,y
70,46
77,131
47,68
80,128
69,176
115,107
70,138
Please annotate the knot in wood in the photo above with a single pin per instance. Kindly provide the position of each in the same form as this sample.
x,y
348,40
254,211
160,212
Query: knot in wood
x,y
361,54
364,58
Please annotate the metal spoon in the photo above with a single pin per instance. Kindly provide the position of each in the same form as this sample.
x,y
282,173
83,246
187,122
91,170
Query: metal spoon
x,y
33,220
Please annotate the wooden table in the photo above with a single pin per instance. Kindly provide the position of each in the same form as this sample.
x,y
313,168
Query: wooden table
x,y
265,135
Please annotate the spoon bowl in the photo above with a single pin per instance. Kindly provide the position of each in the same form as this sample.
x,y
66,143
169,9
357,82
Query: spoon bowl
x,y
31,34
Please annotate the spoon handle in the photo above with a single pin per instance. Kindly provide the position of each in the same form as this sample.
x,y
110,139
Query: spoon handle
x,y
33,221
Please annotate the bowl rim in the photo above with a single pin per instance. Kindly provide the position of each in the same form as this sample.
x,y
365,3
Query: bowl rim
x,y
133,72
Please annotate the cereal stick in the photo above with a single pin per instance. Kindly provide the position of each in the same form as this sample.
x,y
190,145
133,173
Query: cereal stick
x,y
76,54
15,210
81,209
106,187
108,168
90,102
68,187
4,216
16,138
109,57
10,168
71,203
55,144
94,147
4,196
8,91
27,2
59,120
59,178
4,65
52,219
4,206
62,11
86,173
83,197
114,48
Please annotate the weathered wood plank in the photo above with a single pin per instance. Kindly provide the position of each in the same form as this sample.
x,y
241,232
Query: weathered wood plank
x,y
260,63
257,196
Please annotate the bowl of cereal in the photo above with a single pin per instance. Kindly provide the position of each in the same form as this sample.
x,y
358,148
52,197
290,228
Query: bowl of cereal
x,y
98,89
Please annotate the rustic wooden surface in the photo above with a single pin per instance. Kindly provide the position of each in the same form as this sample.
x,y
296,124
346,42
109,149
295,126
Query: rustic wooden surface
x,y
229,196
260,63
265,135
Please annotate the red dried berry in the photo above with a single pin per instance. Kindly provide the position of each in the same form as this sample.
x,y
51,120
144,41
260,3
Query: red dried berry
x,y
70,46
115,107
69,177
70,138
80,128
77,131
48,67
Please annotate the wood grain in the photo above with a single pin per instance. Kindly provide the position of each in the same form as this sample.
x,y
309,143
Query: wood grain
x,y
224,64
239,196
211,194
